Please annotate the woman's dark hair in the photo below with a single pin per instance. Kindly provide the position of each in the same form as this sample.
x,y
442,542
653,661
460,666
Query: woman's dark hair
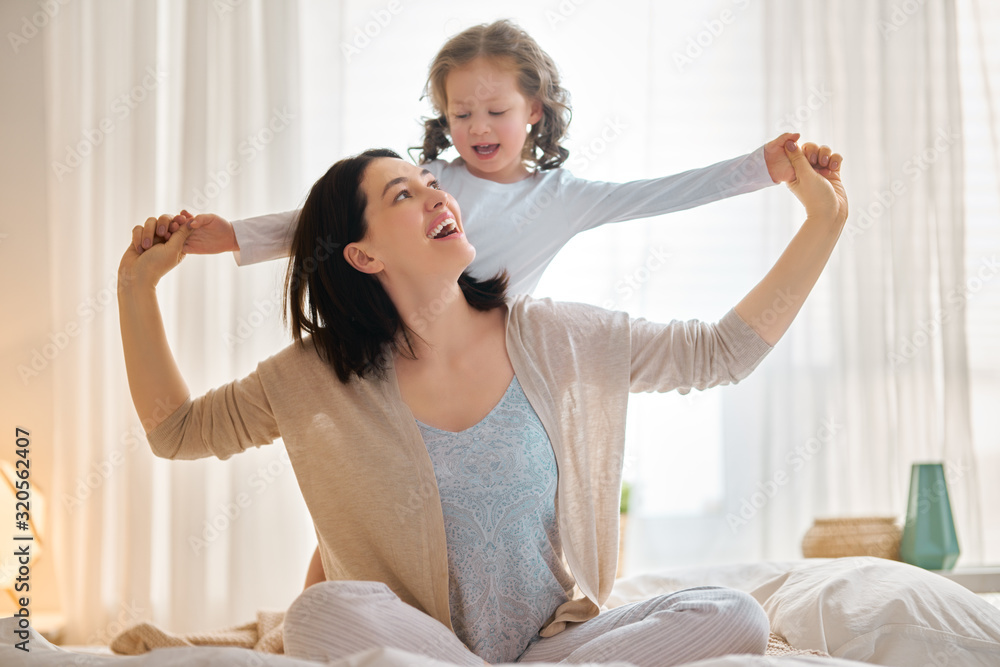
x,y
507,45
353,322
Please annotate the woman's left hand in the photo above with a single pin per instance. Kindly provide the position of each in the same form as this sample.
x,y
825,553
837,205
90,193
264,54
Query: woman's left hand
x,y
817,182
146,269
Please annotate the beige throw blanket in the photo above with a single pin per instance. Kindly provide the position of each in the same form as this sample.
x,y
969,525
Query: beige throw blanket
x,y
262,635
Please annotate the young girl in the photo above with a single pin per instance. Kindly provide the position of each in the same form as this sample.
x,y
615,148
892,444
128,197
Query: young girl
x,y
500,103
464,482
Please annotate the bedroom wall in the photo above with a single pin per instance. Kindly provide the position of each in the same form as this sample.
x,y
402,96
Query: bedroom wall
x,y
24,263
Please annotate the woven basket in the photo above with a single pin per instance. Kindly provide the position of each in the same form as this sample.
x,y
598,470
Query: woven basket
x,y
853,536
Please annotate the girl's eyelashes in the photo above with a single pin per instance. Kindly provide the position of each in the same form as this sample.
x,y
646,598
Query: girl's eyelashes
x,y
463,116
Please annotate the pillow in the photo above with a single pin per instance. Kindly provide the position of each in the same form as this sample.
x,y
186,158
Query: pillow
x,y
884,612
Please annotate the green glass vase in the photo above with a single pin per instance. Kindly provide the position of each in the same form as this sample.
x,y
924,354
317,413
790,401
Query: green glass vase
x,y
929,539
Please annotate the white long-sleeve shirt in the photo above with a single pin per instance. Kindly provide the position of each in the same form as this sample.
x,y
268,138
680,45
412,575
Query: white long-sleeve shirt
x,y
521,226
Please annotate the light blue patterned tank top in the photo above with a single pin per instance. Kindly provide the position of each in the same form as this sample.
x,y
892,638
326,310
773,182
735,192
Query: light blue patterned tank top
x,y
497,482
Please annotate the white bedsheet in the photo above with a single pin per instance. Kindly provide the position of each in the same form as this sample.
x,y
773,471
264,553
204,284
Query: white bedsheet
x,y
856,609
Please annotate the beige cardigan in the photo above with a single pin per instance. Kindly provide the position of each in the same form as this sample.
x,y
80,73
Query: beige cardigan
x,y
368,480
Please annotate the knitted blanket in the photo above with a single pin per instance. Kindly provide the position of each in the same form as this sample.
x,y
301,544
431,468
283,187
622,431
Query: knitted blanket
x,y
264,634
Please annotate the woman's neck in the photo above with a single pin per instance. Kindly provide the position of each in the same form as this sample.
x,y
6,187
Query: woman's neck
x,y
444,322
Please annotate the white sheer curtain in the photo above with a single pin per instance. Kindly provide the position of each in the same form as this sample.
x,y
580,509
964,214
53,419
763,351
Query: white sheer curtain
x,y
979,60
154,105
884,355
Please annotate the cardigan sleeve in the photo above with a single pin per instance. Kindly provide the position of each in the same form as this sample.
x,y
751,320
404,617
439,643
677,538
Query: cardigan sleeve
x,y
693,355
223,422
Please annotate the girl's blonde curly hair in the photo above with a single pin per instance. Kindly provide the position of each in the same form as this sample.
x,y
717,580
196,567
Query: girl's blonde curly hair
x,y
537,78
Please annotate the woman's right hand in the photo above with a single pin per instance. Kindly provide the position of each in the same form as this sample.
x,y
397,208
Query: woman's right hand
x,y
145,269
817,181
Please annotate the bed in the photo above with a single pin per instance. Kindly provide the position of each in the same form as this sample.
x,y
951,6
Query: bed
x,y
856,610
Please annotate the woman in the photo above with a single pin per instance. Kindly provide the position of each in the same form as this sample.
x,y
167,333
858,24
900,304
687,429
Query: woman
x,y
460,453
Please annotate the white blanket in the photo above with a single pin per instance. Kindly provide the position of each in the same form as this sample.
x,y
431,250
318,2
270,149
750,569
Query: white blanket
x,y
856,609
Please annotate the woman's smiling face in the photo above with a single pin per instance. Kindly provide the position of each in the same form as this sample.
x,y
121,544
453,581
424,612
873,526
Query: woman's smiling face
x,y
488,119
414,227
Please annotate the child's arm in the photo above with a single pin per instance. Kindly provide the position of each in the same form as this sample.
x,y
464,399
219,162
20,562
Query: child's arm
x,y
589,204
251,241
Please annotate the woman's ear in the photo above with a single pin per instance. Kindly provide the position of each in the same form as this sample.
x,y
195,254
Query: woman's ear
x,y
360,260
536,112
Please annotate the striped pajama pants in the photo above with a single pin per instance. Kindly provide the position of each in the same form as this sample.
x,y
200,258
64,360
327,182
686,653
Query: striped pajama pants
x,y
334,619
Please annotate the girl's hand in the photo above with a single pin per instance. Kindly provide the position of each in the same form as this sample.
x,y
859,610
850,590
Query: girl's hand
x,y
778,167
146,269
817,181
210,234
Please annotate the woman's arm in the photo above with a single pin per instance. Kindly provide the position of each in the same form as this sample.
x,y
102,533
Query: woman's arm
x,y
698,355
153,376
770,307
223,422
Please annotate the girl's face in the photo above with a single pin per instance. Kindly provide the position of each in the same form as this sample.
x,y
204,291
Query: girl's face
x,y
414,227
488,117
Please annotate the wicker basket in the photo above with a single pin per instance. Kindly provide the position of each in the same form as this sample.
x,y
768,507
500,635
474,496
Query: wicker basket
x,y
853,536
